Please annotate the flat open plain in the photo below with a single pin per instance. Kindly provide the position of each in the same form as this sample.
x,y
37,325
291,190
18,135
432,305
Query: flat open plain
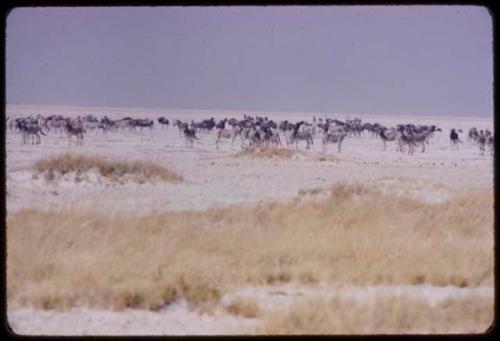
x,y
247,245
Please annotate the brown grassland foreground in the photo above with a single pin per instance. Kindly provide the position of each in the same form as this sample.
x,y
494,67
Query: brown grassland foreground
x,y
356,236
140,171
382,316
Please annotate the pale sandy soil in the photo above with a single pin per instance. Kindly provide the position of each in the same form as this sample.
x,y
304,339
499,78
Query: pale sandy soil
x,y
216,178
281,296
177,319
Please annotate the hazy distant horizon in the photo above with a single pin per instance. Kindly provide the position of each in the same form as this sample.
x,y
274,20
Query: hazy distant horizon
x,y
380,60
218,113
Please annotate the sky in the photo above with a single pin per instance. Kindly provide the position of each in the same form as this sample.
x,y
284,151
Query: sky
x,y
431,60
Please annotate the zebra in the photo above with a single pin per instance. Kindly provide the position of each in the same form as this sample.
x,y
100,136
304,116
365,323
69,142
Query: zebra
x,y
254,137
392,135
57,123
179,125
333,137
420,138
274,136
293,136
93,125
489,142
221,133
74,130
481,140
189,134
269,135
407,140
473,135
245,134
11,123
123,123
28,130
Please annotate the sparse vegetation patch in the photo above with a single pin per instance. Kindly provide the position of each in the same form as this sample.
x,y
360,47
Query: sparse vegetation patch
x,y
355,236
395,315
268,153
117,171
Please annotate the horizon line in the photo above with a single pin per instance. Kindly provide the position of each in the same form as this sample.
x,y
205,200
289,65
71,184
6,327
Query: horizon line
x,y
242,111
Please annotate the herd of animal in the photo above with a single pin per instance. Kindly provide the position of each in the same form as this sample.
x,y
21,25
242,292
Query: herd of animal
x,y
251,131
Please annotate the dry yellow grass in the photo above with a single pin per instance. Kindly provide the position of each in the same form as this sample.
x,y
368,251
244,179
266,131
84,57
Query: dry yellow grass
x,y
394,315
324,157
312,191
243,307
355,236
140,171
268,153
282,153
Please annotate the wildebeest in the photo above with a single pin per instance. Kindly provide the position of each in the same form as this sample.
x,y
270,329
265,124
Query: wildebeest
x,y
143,123
454,139
163,121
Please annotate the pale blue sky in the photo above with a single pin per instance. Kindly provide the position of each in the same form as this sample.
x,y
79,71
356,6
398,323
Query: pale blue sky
x,y
358,59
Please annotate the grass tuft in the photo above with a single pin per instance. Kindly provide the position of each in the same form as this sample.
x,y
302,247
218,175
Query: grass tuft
x,y
139,171
325,157
245,307
281,153
312,191
267,153
198,291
